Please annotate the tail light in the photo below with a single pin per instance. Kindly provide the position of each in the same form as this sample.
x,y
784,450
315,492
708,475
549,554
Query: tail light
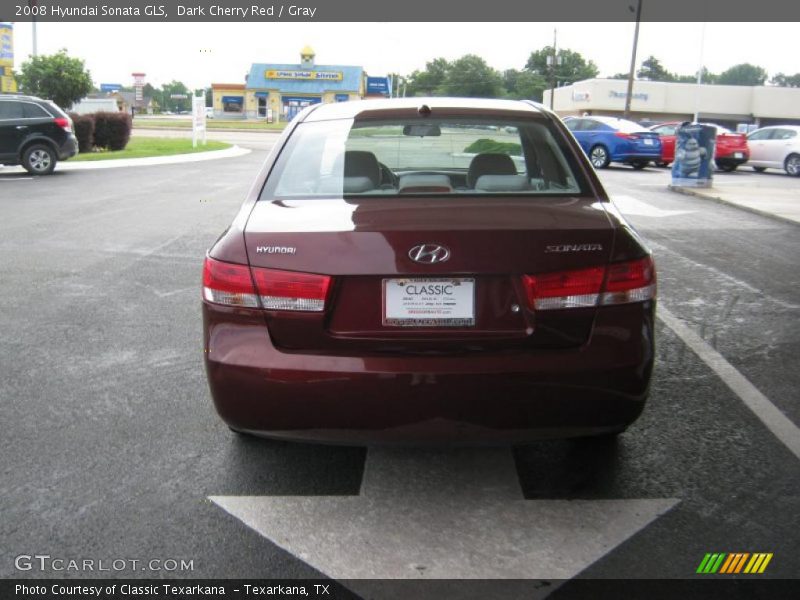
x,y
287,290
65,124
229,284
620,283
626,136
239,285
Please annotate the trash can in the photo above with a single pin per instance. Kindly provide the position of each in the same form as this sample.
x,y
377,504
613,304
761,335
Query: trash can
x,y
694,155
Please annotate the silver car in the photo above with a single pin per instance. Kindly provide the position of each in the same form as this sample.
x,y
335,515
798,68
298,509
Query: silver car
x,y
775,147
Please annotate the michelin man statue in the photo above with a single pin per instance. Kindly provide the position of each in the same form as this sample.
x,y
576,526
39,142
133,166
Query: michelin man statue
x,y
690,157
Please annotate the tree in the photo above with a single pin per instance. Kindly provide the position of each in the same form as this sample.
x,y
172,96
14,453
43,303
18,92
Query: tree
x,y
524,85
573,66
743,74
428,82
470,77
57,77
652,70
708,78
786,80
175,104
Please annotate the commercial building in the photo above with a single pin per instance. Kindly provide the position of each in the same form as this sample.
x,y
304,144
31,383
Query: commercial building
x,y
728,105
282,90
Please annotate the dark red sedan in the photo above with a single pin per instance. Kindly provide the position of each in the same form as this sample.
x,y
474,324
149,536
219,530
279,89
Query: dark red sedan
x,y
730,151
428,270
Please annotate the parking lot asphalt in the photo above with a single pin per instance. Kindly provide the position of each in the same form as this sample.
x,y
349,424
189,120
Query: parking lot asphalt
x,y
111,447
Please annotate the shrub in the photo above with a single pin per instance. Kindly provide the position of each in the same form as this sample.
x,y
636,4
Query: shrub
x,y
493,146
84,131
112,130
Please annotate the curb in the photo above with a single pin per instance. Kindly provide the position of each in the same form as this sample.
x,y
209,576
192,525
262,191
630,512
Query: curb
x,y
208,129
718,199
147,161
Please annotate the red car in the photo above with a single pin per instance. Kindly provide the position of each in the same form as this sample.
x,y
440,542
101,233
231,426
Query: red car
x,y
428,269
731,148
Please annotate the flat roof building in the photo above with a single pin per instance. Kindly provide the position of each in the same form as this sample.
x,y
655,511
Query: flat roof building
x,y
727,105
280,91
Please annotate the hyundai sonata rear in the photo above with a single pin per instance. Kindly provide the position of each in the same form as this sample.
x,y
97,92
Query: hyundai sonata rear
x,y
428,270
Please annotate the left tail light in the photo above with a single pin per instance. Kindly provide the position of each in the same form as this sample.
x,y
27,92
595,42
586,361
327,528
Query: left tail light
x,y
229,284
271,289
65,124
619,283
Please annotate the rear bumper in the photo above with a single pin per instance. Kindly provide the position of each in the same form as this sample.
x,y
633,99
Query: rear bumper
x,y
637,155
69,148
598,388
731,159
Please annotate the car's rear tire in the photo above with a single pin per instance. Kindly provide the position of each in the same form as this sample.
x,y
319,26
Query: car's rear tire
x,y
662,164
39,159
599,156
792,165
728,168
640,164
759,169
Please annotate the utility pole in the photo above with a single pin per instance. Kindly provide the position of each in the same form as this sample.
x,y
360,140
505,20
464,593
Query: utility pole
x,y
629,95
699,75
553,61
33,4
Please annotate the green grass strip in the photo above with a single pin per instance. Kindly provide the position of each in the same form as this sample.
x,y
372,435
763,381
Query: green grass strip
x,y
142,147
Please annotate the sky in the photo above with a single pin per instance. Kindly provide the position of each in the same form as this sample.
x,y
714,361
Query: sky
x,y
199,54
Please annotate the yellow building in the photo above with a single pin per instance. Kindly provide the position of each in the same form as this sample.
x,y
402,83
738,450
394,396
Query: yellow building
x,y
282,90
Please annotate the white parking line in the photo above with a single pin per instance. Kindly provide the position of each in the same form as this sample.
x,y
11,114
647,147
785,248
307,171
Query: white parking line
x,y
769,414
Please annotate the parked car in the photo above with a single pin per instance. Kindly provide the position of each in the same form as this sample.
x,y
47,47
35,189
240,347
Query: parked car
x,y
378,286
730,151
209,112
34,133
776,147
609,139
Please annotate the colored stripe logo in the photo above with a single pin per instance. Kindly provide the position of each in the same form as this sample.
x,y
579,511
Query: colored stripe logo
x,y
734,562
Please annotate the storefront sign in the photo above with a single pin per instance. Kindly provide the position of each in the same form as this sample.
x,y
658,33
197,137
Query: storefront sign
x,y
378,85
6,44
308,75
640,96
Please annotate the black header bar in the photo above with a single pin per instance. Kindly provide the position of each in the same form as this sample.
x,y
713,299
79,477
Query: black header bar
x,y
494,11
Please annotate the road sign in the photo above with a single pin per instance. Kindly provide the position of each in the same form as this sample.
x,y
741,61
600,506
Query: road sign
x,y
198,120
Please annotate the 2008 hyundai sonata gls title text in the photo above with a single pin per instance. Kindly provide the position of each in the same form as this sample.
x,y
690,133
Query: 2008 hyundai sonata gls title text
x,y
428,270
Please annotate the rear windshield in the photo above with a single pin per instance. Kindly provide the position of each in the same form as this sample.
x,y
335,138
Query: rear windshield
x,y
425,156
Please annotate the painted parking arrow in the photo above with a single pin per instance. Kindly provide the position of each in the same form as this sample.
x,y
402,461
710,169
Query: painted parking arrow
x,y
447,514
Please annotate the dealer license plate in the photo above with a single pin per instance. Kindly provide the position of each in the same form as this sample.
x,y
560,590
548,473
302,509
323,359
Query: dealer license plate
x,y
429,302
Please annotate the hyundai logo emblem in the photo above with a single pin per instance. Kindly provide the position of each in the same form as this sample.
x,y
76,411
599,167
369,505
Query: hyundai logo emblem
x,y
429,254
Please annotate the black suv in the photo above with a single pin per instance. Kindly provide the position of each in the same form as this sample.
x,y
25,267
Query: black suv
x,y
34,133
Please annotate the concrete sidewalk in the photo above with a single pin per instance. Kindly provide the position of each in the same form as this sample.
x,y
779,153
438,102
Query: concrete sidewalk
x,y
761,198
116,163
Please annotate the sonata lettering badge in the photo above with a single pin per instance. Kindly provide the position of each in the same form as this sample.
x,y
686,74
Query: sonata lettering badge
x,y
429,302
574,248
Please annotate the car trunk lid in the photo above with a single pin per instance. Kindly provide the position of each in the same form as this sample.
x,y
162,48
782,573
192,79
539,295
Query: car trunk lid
x,y
365,245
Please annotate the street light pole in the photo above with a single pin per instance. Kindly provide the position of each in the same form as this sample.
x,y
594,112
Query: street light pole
x,y
629,95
